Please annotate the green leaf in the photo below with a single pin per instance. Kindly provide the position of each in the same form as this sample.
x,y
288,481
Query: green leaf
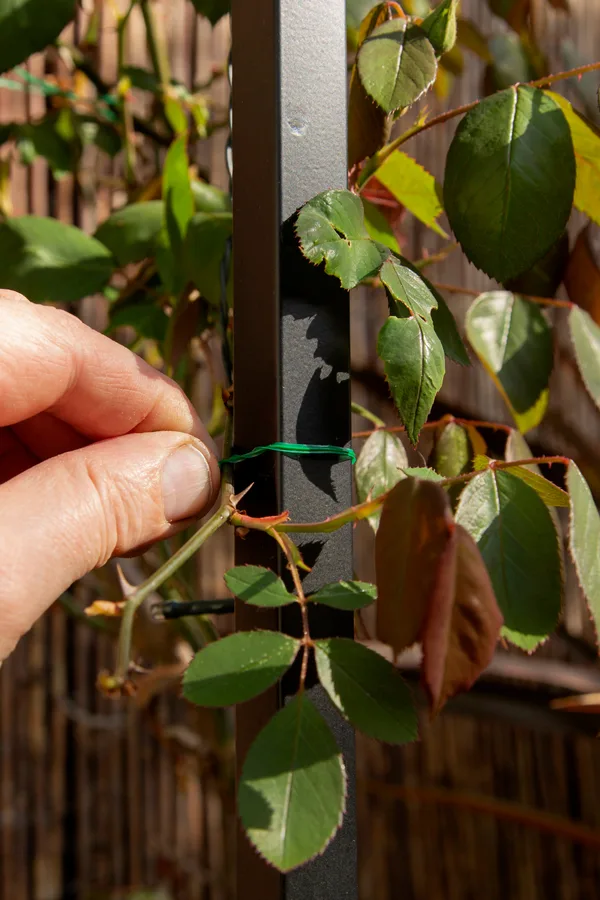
x,y
50,261
544,279
422,472
378,227
445,327
43,138
28,26
331,229
510,63
291,794
413,187
452,453
238,667
213,10
586,143
584,540
410,549
258,586
440,26
517,539
131,233
367,690
356,10
178,210
510,181
148,319
514,342
378,468
396,64
208,198
414,365
347,595
585,335
408,288
205,242
517,448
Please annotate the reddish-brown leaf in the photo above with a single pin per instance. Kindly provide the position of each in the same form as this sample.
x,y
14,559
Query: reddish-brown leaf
x,y
463,622
415,529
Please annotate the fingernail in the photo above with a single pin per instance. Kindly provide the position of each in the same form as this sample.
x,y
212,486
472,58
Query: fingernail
x,y
186,483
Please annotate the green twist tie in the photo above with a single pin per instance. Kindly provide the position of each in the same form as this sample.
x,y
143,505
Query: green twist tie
x,y
294,450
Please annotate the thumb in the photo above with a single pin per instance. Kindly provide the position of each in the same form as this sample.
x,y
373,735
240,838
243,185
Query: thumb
x,y
69,514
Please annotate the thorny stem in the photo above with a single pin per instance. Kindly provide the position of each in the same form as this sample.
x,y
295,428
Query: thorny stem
x,y
379,158
543,301
435,423
306,639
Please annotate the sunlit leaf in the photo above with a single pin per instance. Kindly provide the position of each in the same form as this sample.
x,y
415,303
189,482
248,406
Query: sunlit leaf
x,y
517,539
378,468
238,667
414,365
131,233
378,226
291,794
514,342
396,64
331,229
440,26
257,586
349,595
367,690
408,288
414,187
586,143
585,335
584,540
510,181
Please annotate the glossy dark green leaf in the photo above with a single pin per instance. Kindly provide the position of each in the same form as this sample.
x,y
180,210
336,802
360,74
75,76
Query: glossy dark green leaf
x,y
514,342
414,365
50,261
27,26
584,539
257,586
205,242
238,667
440,26
367,690
213,10
331,229
347,595
378,468
291,794
131,233
445,327
510,181
544,279
517,539
585,335
408,288
396,64
368,124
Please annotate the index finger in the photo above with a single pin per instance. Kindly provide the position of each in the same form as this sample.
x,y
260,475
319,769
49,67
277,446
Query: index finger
x,y
50,361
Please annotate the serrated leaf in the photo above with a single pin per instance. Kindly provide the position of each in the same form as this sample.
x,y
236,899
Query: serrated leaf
x,y
367,690
422,472
331,229
50,261
238,667
585,335
396,64
440,26
28,26
586,143
258,586
292,789
544,279
414,365
368,124
378,468
414,532
462,625
408,288
584,540
413,187
349,595
510,181
205,240
131,233
213,10
514,342
445,327
379,227
518,542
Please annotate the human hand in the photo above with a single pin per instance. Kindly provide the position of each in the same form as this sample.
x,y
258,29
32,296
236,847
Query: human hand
x,y
99,455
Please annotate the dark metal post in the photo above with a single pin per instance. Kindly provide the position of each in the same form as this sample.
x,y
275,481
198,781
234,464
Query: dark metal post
x,y
291,354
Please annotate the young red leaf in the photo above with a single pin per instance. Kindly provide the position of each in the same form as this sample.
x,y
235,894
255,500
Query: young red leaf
x,y
415,529
463,622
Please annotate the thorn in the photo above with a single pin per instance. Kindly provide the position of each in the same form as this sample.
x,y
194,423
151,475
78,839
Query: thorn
x,y
127,588
237,497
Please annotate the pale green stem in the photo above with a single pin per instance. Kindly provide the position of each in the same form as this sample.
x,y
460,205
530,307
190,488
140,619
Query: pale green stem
x,y
367,414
